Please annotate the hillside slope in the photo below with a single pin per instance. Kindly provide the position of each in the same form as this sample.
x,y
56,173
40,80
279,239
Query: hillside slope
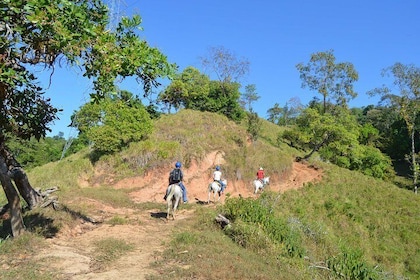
x,y
152,186
72,251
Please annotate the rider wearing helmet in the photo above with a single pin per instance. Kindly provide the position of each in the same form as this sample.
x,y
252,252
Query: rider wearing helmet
x,y
260,175
176,177
217,177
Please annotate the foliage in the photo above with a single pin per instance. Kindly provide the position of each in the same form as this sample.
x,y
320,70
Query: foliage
x,y
275,113
369,135
392,130
185,89
371,161
114,122
249,96
45,33
285,115
123,54
329,78
223,98
407,81
193,90
32,153
350,265
315,131
336,137
254,212
254,125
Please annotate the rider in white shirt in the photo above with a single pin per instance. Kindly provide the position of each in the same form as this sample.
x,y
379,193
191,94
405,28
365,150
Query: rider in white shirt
x,y
217,177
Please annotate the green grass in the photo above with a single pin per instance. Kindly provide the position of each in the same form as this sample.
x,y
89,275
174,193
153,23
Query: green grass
x,y
361,213
108,250
200,250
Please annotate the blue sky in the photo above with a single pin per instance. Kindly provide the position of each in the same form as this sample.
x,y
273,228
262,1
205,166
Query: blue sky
x,y
272,35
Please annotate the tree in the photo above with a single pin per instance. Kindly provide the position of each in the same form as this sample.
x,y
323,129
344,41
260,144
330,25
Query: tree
x,y
275,113
186,89
250,96
223,100
51,33
330,79
392,130
225,65
407,102
314,131
31,153
194,90
335,136
254,125
287,114
113,122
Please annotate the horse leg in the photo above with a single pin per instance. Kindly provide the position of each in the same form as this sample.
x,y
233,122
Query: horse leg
x,y
176,202
169,209
210,189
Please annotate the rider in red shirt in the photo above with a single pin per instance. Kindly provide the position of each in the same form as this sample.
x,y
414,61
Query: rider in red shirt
x,y
260,175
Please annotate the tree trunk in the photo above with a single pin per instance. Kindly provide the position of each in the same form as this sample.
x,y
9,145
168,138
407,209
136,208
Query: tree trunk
x,y
10,170
413,160
317,147
13,199
16,172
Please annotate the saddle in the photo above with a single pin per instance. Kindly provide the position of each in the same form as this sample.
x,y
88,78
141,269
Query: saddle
x,y
220,186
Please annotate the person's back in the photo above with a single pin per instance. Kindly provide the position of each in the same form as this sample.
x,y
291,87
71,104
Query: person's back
x,y
176,177
260,175
217,177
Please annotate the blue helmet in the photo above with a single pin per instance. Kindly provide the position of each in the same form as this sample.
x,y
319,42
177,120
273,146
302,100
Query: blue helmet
x,y
178,164
217,168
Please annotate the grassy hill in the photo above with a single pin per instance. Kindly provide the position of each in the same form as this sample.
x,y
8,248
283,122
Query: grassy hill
x,y
348,226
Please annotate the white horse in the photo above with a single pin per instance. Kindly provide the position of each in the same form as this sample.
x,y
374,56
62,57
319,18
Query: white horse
x,y
174,196
215,188
258,185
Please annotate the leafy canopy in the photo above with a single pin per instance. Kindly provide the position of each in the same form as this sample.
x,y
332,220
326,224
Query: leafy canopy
x,y
335,136
113,122
194,90
47,33
328,78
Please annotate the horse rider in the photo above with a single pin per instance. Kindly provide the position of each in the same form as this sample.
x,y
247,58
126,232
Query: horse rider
x,y
217,177
176,177
260,175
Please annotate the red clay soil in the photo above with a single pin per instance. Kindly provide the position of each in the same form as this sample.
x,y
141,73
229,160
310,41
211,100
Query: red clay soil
x,y
197,177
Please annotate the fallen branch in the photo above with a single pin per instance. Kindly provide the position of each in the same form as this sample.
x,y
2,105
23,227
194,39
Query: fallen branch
x,y
223,221
319,266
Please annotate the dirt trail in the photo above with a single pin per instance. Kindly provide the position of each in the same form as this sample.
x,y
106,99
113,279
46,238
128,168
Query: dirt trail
x,y
72,250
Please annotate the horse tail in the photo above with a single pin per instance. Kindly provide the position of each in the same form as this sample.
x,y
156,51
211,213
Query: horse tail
x,y
171,192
